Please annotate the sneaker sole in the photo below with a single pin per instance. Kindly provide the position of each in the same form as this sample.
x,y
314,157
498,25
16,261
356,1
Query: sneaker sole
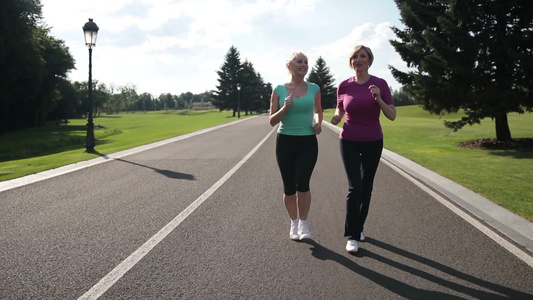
x,y
305,237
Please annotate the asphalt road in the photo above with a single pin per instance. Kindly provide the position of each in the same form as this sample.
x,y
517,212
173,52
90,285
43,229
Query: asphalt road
x,y
201,217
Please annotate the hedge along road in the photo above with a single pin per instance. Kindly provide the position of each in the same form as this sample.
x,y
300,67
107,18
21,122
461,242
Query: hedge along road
x,y
201,216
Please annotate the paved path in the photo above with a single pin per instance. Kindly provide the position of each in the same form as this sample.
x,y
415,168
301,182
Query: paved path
x,y
200,216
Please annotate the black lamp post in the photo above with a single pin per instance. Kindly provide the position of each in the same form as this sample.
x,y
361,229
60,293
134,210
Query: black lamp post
x,y
90,29
238,100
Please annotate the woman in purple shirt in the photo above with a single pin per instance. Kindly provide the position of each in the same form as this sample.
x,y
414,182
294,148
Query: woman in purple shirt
x,y
361,99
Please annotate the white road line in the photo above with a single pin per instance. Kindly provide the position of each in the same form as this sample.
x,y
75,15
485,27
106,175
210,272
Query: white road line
x,y
112,277
474,222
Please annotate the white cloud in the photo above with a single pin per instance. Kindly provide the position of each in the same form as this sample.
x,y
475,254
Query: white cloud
x,y
177,46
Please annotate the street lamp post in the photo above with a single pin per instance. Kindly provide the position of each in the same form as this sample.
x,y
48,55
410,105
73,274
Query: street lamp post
x,y
90,29
238,100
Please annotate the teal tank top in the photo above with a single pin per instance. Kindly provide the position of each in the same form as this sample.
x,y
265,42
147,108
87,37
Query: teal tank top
x,y
299,119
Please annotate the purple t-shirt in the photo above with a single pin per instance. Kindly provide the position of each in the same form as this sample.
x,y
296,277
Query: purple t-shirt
x,y
361,110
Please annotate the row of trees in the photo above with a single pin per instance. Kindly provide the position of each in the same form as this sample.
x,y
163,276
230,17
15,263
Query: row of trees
x,y
111,99
255,93
473,56
34,87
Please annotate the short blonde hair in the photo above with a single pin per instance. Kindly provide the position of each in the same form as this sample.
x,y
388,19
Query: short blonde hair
x,y
292,57
357,49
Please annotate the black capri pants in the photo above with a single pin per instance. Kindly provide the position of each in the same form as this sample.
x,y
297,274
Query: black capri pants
x,y
296,156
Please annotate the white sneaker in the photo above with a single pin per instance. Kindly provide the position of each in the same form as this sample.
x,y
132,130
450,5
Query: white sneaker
x,y
293,234
351,246
303,230
363,237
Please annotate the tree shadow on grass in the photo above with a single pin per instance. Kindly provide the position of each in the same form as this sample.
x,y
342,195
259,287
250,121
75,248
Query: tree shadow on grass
x,y
518,148
45,142
518,153
408,291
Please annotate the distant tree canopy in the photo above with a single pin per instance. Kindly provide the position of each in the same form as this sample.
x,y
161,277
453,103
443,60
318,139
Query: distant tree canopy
x,y
401,98
321,76
473,55
254,94
32,63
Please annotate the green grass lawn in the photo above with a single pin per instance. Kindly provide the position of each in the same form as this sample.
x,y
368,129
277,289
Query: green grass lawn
x,y
503,176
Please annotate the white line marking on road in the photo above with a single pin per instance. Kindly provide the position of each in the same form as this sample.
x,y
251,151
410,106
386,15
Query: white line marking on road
x,y
112,277
474,222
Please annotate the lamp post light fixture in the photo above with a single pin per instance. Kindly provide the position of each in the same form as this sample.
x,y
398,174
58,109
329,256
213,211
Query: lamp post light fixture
x,y
90,29
238,100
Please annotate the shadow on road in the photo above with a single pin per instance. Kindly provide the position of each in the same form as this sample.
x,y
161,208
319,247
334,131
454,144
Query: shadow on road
x,y
168,173
408,291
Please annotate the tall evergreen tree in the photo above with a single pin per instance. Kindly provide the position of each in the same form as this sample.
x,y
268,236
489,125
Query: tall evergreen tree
x,y
265,99
251,88
264,94
473,55
321,76
229,76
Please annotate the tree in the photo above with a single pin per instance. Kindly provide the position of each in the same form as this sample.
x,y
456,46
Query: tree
x,y
66,107
167,101
251,88
472,55
229,75
402,98
321,76
32,63
17,48
56,61
188,99
101,96
129,96
265,90
265,96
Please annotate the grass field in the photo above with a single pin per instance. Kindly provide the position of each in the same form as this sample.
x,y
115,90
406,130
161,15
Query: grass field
x,y
502,176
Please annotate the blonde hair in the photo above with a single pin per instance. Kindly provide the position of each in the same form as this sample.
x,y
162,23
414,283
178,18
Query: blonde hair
x,y
291,59
357,49
294,55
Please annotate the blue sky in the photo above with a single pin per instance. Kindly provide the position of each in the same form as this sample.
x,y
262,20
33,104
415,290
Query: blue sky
x,y
170,46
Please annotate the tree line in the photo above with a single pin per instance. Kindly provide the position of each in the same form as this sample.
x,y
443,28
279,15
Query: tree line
x,y
241,88
472,56
34,88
